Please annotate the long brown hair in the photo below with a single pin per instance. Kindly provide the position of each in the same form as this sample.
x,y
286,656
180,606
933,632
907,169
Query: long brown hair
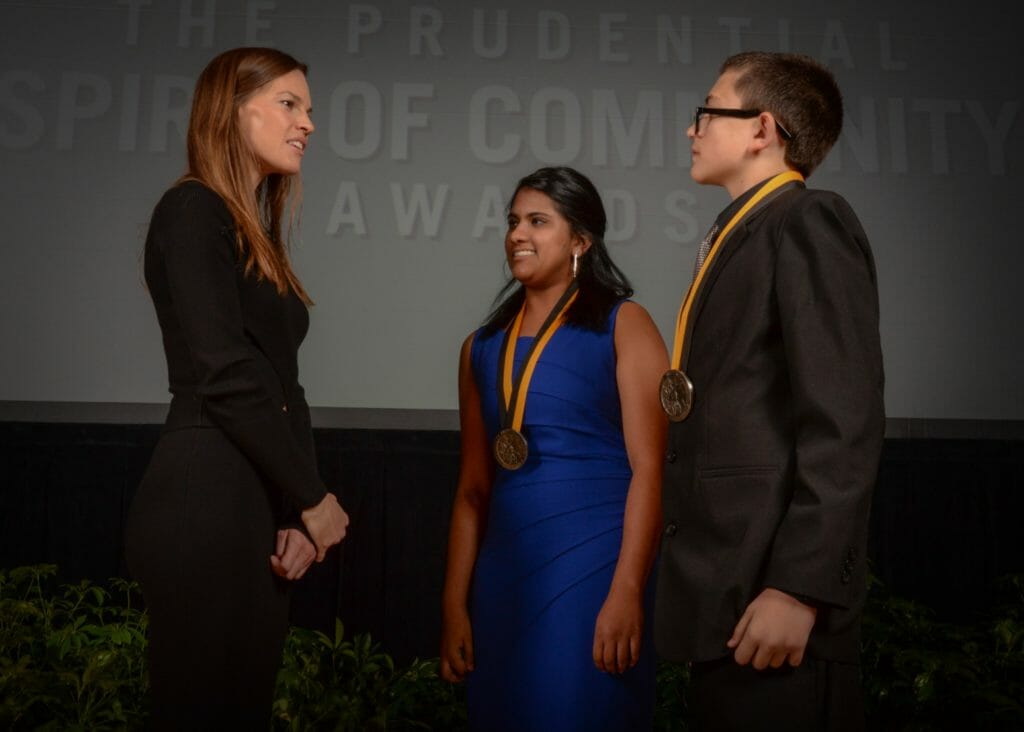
x,y
220,158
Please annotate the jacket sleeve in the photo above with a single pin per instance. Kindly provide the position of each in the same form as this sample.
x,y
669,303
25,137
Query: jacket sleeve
x,y
827,298
192,233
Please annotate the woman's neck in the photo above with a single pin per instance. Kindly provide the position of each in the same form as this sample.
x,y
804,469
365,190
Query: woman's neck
x,y
539,302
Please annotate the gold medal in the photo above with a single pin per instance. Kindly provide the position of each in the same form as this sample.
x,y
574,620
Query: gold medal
x,y
676,392
510,449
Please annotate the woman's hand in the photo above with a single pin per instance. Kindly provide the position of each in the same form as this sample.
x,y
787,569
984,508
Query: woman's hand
x,y
326,523
293,554
456,647
618,632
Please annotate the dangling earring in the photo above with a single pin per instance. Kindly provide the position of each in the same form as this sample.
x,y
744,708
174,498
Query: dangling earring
x,y
575,264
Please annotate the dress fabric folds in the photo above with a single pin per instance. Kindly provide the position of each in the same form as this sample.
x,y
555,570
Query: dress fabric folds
x,y
551,543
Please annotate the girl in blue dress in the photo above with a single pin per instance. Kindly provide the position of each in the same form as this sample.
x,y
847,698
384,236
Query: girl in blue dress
x,y
556,518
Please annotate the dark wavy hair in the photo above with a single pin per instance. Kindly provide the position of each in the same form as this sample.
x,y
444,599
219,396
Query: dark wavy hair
x,y
601,283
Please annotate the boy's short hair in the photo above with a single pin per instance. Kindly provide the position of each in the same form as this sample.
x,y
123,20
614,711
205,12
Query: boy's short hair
x,y
800,92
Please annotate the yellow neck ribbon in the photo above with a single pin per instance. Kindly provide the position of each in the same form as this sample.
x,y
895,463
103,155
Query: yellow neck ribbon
x,y
682,320
513,397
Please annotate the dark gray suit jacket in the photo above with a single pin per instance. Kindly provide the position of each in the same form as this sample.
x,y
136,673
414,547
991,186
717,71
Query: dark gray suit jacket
x,y
768,482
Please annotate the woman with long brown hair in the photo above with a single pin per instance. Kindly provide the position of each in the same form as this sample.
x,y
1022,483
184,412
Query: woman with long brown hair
x,y
231,507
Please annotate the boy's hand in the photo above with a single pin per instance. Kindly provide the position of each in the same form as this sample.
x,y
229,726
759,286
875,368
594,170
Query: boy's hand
x,y
774,629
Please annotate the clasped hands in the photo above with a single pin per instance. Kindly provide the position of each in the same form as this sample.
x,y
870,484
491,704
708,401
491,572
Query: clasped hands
x,y
326,523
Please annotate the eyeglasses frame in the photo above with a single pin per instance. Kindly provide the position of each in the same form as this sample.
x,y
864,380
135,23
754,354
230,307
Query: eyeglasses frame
x,y
738,113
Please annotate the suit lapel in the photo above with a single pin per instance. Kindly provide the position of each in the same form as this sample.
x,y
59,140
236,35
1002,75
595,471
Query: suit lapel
x,y
729,247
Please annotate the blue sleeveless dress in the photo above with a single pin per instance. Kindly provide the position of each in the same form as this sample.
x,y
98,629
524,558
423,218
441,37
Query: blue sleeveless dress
x,y
550,547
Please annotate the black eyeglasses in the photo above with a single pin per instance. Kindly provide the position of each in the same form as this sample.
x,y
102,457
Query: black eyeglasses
x,y
702,115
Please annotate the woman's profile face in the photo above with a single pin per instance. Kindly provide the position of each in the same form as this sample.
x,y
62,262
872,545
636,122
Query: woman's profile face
x,y
539,242
275,123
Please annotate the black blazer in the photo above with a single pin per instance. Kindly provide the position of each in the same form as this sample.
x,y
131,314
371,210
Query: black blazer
x,y
768,482
231,343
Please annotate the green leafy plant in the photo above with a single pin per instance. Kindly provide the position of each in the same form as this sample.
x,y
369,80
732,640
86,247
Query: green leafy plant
x,y
670,711
420,699
329,683
72,657
921,673
70,660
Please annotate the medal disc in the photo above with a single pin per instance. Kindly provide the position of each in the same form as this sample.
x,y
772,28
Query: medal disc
x,y
510,449
676,392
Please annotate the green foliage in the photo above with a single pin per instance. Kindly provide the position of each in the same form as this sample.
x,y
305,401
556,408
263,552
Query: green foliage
x,y
333,684
420,699
73,658
923,674
670,713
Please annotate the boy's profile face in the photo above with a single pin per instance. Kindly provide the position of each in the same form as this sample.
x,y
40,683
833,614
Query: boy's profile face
x,y
720,151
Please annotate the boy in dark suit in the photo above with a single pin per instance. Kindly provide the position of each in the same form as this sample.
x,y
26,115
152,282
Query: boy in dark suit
x,y
776,397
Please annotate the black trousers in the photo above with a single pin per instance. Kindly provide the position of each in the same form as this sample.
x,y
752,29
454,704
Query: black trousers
x,y
816,696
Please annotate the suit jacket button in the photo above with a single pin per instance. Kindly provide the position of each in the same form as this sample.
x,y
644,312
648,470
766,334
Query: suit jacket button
x,y
284,407
845,576
671,529
670,456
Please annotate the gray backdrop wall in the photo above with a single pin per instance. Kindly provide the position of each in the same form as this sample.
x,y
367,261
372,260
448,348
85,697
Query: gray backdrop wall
x,y
426,115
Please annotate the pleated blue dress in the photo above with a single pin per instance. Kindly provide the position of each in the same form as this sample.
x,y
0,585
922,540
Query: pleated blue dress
x,y
552,539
